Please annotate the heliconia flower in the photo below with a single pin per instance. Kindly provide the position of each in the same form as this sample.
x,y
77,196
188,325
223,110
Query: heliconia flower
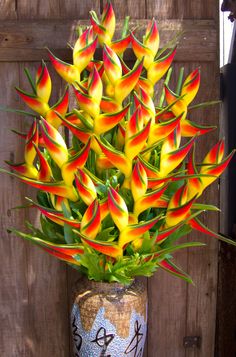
x,y
158,68
138,181
56,216
211,168
179,105
54,143
171,160
24,169
134,231
215,155
56,188
112,65
107,121
44,172
62,256
69,168
119,46
91,220
64,252
33,102
146,104
117,158
172,141
127,83
95,85
146,85
162,130
120,137
191,86
106,28
31,140
43,83
118,209
85,187
59,202
170,267
150,199
136,143
165,233
95,63
176,215
104,208
150,45
102,163
60,107
83,134
110,249
199,226
134,124
190,129
84,49
179,198
109,105
214,170
69,72
87,103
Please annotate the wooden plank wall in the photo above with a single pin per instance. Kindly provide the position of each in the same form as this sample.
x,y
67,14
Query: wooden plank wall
x,y
35,289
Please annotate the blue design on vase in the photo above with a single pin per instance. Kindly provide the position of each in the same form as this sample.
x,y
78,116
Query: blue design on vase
x,y
103,340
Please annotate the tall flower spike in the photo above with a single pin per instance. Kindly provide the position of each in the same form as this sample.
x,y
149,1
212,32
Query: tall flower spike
x,y
61,108
171,160
112,65
85,187
138,181
43,83
127,83
118,209
33,102
150,45
107,121
31,140
179,207
134,231
179,106
45,172
54,143
91,220
109,249
84,49
136,143
161,130
69,72
150,199
69,168
191,86
87,103
106,28
117,158
158,68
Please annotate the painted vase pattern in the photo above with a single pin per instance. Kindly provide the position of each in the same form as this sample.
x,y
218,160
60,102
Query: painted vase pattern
x,y
109,320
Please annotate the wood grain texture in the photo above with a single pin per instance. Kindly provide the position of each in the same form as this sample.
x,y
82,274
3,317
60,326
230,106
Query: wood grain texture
x,y
136,10
14,327
8,9
44,273
27,40
182,9
75,9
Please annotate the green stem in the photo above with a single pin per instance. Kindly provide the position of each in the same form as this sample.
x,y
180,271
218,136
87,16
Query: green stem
x,y
180,81
169,73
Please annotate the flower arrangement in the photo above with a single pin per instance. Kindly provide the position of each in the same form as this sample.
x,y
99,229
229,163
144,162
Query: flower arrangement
x,y
116,197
